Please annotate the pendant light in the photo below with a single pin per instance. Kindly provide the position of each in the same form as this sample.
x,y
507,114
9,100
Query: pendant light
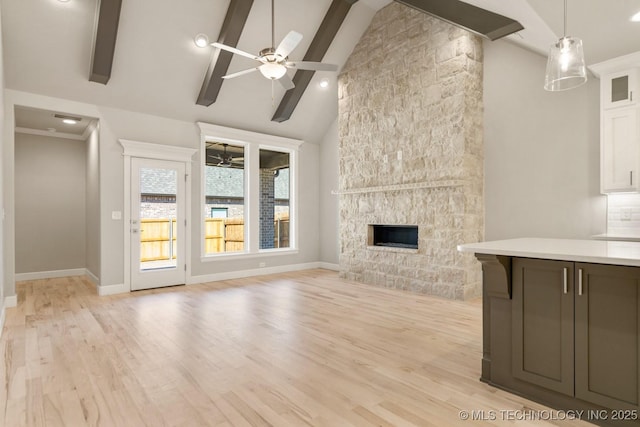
x,y
565,65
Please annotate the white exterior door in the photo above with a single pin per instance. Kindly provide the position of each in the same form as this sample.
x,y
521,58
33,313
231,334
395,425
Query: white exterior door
x,y
157,223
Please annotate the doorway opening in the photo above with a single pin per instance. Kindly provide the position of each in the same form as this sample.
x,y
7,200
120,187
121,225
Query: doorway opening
x,y
57,216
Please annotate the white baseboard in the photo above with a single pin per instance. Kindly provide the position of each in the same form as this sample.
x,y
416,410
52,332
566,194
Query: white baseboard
x,y
92,277
11,301
251,273
329,266
112,289
37,275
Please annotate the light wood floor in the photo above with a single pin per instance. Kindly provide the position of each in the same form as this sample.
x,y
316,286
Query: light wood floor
x,y
299,349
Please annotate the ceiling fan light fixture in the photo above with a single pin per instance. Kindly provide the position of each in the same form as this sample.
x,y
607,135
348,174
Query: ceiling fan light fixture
x,y
201,40
272,70
565,65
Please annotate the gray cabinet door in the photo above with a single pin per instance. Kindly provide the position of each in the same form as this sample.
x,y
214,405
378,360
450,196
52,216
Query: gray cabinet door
x,y
607,327
542,333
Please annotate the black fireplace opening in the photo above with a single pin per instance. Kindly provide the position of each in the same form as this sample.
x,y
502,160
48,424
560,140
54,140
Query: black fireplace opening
x,y
394,236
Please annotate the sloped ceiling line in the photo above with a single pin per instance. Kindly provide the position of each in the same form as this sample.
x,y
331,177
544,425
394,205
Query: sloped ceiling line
x,y
104,46
232,27
327,31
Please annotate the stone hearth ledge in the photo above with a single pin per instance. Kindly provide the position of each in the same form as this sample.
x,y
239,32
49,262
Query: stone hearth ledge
x,y
392,249
591,251
404,187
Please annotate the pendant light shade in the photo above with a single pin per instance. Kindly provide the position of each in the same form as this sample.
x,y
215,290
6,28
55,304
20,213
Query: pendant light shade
x,y
565,65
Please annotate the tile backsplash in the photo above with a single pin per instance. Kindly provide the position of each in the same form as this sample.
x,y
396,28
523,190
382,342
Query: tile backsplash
x,y
623,214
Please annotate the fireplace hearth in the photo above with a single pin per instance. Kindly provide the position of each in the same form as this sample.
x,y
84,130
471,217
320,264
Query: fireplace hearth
x,y
393,236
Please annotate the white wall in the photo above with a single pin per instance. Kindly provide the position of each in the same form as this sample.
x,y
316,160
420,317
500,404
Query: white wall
x,y
92,208
541,151
49,203
118,124
2,143
329,203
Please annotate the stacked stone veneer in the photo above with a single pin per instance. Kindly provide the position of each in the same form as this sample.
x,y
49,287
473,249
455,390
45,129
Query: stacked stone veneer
x,y
412,85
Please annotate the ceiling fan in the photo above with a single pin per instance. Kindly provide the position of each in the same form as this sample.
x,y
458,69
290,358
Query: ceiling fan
x,y
225,160
274,60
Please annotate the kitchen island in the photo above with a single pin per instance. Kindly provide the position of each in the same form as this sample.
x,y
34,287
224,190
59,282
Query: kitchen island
x,y
561,324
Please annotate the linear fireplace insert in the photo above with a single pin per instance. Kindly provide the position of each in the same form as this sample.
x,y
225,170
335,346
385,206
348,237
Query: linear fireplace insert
x,y
395,236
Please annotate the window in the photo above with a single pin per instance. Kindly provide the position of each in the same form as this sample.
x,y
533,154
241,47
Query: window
x,y
224,198
219,212
274,199
249,182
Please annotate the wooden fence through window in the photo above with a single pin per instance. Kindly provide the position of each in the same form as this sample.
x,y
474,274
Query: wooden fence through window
x,y
155,235
227,235
221,235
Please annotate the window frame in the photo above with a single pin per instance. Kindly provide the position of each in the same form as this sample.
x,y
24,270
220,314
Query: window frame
x,y
252,142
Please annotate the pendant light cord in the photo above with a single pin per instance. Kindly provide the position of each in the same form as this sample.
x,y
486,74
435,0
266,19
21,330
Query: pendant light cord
x,y
565,19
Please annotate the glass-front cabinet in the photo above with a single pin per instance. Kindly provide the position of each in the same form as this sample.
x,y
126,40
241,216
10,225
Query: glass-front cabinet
x,y
620,89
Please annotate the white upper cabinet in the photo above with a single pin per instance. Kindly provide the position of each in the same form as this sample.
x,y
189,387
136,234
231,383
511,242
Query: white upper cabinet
x,y
620,151
619,124
619,89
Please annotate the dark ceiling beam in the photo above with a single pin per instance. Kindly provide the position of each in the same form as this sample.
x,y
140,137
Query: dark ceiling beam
x,y
234,21
321,41
464,15
105,40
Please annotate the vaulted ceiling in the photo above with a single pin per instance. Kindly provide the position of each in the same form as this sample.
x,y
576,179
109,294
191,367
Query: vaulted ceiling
x,y
157,69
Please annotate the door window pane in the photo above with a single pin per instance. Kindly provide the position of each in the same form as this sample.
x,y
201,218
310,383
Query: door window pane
x,y
224,198
274,199
158,216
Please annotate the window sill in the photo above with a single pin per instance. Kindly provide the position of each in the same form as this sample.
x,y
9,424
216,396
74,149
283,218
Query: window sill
x,y
239,256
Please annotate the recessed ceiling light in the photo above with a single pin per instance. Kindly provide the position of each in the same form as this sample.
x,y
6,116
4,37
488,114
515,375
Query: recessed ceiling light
x,y
63,1
201,40
324,83
636,17
70,120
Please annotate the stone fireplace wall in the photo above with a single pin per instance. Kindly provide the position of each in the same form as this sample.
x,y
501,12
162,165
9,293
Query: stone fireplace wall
x,y
410,131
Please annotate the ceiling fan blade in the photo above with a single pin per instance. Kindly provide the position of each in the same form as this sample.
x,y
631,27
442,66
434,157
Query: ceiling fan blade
x,y
309,65
234,50
240,73
289,43
286,82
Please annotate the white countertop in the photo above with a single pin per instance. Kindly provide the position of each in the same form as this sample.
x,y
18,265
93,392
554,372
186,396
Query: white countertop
x,y
593,251
620,237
